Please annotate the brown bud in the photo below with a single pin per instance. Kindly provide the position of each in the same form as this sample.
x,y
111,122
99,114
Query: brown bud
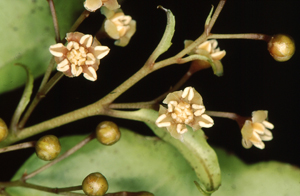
x,y
95,184
47,147
108,133
3,130
281,47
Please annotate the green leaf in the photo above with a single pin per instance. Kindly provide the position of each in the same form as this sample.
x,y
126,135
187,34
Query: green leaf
x,y
27,32
24,99
165,41
139,163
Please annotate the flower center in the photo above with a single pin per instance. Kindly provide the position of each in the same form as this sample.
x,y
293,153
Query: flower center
x,y
77,55
181,112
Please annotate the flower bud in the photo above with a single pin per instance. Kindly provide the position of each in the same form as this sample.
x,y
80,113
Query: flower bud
x,y
281,47
47,147
108,133
95,184
3,130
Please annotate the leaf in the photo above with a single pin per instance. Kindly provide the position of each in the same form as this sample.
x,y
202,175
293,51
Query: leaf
x,y
24,99
165,41
139,163
27,32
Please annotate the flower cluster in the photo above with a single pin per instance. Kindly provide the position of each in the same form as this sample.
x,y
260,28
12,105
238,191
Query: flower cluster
x,y
118,26
257,130
184,108
210,50
93,5
81,55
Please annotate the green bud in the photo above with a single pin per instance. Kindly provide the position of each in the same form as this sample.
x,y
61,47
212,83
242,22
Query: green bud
x,y
108,133
3,130
48,147
281,47
95,184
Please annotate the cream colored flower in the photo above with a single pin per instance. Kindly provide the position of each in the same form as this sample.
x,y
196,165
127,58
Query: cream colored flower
x,y
256,131
93,5
209,49
119,26
184,108
81,55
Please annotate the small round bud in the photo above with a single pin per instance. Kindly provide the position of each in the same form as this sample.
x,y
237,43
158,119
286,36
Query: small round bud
x,y
281,47
108,133
3,130
47,147
95,184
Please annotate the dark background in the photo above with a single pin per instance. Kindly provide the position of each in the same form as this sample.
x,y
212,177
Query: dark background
x,y
252,79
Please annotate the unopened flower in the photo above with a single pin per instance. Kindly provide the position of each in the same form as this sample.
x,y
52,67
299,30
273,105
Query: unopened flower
x,y
184,108
119,26
256,131
93,5
209,49
81,55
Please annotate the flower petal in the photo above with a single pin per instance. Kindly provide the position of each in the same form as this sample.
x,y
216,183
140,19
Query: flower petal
x,y
246,143
259,115
86,40
111,4
92,5
206,121
268,125
258,128
101,51
58,50
63,65
111,29
259,145
90,74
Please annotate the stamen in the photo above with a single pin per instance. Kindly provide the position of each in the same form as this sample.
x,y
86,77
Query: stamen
x,y
268,124
185,92
161,118
197,107
191,94
198,113
164,124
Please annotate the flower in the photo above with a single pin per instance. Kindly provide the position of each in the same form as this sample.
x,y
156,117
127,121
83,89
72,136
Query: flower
x,y
184,108
119,26
93,5
210,50
256,131
81,55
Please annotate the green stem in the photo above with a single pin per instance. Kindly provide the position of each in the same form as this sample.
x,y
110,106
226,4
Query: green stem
x,y
100,107
61,191
63,156
254,36
18,146
55,22
214,17
39,96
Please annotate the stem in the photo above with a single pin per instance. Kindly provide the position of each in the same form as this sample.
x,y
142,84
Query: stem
x,y
138,105
80,19
61,191
233,116
55,22
100,107
39,96
230,115
63,156
254,36
214,17
18,146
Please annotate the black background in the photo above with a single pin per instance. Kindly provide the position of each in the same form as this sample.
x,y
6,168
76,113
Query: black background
x,y
252,79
